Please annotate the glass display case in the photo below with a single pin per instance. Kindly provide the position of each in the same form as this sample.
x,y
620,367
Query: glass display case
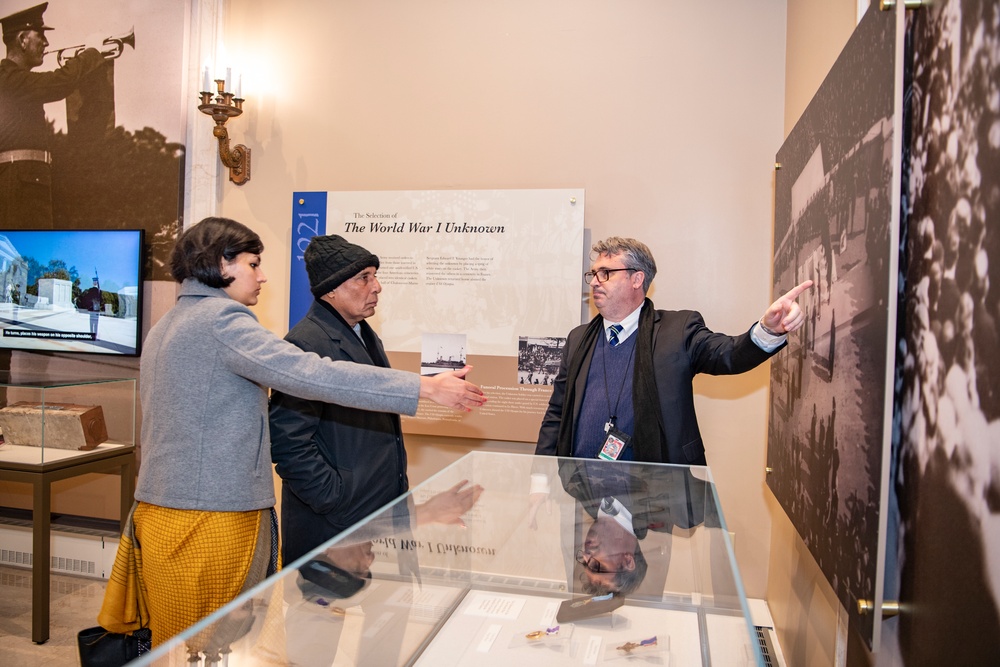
x,y
46,420
557,562
55,429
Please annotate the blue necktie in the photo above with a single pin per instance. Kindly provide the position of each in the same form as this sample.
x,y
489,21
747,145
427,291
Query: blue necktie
x,y
613,332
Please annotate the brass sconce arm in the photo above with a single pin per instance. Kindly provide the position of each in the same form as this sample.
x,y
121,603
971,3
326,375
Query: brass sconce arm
x,y
236,158
221,109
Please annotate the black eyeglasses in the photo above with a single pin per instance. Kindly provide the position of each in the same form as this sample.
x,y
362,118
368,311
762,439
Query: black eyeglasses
x,y
584,558
602,275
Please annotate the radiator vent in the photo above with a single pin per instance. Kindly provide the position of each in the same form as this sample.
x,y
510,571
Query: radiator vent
x,y
59,563
13,557
73,552
766,649
73,566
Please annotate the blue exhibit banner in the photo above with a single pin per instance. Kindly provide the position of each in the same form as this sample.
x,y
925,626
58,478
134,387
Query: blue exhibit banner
x,y
308,220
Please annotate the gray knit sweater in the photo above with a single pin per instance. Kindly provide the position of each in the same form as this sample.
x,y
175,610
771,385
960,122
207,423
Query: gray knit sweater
x,y
203,380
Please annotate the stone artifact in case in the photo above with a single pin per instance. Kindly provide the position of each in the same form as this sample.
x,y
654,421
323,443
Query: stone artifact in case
x,y
60,425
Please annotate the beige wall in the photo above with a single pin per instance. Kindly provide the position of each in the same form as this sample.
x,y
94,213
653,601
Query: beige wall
x,y
668,113
816,34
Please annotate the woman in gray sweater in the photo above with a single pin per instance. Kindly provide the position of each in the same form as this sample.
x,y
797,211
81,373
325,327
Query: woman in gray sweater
x,y
204,522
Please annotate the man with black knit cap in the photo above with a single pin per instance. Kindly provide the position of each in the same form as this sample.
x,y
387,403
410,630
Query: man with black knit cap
x,y
337,464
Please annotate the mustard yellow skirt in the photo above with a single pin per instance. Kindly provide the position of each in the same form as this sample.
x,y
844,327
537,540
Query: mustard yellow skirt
x,y
174,567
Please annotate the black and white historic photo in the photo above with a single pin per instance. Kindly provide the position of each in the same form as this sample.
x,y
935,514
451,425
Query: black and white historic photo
x,y
538,359
97,143
832,224
440,352
946,455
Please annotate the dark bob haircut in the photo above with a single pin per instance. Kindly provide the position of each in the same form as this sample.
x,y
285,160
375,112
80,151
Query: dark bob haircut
x,y
201,248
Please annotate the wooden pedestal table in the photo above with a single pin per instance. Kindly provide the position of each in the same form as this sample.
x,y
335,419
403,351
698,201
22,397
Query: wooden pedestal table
x,y
116,459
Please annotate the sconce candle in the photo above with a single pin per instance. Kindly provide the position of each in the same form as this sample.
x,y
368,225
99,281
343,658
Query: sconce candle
x,y
206,82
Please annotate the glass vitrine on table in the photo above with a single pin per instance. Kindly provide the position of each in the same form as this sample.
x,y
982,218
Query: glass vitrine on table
x,y
560,561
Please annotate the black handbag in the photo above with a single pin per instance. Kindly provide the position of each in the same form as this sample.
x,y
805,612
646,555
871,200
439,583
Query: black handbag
x,y
100,648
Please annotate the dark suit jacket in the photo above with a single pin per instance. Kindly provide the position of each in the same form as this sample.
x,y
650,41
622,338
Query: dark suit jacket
x,y
337,464
682,347
659,497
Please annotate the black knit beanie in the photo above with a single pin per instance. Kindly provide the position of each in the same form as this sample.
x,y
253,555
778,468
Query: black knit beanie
x,y
330,260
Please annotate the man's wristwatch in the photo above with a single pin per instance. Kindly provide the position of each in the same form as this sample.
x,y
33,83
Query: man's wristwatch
x,y
768,331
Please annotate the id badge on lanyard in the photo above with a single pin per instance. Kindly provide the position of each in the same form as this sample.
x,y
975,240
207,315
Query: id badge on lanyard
x,y
614,444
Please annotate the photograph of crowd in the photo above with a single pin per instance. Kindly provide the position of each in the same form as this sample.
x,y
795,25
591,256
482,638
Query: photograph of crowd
x,y
538,359
832,224
946,449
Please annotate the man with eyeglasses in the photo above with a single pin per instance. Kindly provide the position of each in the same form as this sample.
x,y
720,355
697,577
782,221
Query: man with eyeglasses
x,y
611,556
626,504
623,390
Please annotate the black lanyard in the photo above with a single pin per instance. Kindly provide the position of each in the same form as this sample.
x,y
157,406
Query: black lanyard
x,y
613,414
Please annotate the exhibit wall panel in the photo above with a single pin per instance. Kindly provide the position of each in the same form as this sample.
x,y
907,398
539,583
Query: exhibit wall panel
x,y
939,520
834,222
459,274
802,602
947,446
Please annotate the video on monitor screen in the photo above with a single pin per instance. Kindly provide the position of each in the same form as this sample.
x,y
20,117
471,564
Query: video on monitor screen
x,y
71,291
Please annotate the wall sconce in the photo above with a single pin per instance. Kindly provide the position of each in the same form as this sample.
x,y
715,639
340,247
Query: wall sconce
x,y
224,106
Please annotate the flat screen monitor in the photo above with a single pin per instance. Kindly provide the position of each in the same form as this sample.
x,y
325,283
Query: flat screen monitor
x,y
71,290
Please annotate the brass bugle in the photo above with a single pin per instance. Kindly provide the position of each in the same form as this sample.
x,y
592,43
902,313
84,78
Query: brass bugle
x,y
115,47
